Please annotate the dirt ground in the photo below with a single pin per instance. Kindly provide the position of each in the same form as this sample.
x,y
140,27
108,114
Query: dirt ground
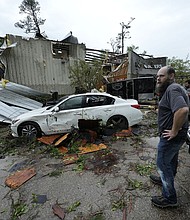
x,y
108,184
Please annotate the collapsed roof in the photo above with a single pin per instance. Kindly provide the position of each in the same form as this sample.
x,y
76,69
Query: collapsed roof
x,y
17,99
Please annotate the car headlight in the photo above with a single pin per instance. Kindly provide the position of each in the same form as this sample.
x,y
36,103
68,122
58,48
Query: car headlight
x,y
14,121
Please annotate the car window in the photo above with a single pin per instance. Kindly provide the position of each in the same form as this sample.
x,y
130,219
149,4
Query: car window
x,y
98,100
72,103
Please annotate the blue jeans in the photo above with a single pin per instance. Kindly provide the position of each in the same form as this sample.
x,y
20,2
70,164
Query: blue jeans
x,y
167,161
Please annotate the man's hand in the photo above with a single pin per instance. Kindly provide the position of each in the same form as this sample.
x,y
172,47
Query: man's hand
x,y
169,134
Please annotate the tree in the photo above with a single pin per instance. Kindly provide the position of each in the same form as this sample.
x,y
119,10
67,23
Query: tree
x,y
32,22
86,76
118,43
115,44
132,48
182,68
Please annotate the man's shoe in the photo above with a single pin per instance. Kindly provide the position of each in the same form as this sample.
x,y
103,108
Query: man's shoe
x,y
162,202
156,179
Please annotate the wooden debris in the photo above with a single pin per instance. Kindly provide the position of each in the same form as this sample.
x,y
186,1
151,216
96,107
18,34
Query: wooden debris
x,y
123,133
57,210
48,139
91,148
70,159
63,150
61,139
19,177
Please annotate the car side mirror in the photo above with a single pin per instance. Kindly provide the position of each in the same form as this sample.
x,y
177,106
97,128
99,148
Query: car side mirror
x,y
88,101
56,109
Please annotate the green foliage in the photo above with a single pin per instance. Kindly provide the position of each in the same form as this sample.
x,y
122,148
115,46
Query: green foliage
x,y
132,48
80,163
19,209
119,204
34,198
135,184
144,169
73,206
53,151
32,21
55,173
98,216
74,147
182,68
86,76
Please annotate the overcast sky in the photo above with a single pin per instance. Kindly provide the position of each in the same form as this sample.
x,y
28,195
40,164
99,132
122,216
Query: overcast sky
x,y
162,28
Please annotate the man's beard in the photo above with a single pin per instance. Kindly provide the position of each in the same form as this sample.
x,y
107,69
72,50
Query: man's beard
x,y
161,88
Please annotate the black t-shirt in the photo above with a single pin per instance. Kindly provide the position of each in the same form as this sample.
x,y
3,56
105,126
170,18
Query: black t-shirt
x,y
174,98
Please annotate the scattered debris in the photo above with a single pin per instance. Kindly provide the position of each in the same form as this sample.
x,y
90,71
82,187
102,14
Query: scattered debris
x,y
61,139
101,161
40,199
16,99
91,148
77,141
48,139
18,166
63,150
19,177
123,133
70,159
57,210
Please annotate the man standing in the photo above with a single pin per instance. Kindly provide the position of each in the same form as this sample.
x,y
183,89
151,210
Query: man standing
x,y
172,126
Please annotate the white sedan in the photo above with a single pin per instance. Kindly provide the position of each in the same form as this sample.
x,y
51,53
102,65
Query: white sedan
x,y
63,116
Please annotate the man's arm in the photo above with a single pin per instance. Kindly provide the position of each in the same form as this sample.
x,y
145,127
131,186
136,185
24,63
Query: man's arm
x,y
180,116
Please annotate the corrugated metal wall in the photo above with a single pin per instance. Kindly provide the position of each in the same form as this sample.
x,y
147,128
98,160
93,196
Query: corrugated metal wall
x,y
31,63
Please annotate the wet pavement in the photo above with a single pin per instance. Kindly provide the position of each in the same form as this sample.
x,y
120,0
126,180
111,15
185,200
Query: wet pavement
x,y
113,191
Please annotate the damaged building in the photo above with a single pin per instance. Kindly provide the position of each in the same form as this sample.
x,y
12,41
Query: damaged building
x,y
32,67
43,64
40,63
128,75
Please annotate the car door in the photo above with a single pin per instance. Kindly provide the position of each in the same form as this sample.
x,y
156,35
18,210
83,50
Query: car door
x,y
66,115
98,107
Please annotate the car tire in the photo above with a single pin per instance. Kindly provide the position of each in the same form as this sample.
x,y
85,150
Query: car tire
x,y
117,122
29,130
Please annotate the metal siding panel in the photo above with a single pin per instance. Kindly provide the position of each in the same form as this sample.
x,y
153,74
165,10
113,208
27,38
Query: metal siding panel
x,y
18,100
22,90
31,63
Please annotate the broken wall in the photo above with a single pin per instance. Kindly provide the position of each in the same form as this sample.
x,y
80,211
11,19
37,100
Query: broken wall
x,y
141,67
41,64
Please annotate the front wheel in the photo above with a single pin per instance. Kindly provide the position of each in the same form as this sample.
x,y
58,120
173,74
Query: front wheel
x,y
29,130
117,122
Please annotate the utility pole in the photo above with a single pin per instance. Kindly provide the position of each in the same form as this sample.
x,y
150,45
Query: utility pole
x,y
124,32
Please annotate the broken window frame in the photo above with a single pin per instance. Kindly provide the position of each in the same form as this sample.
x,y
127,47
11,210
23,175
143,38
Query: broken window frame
x,y
60,50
